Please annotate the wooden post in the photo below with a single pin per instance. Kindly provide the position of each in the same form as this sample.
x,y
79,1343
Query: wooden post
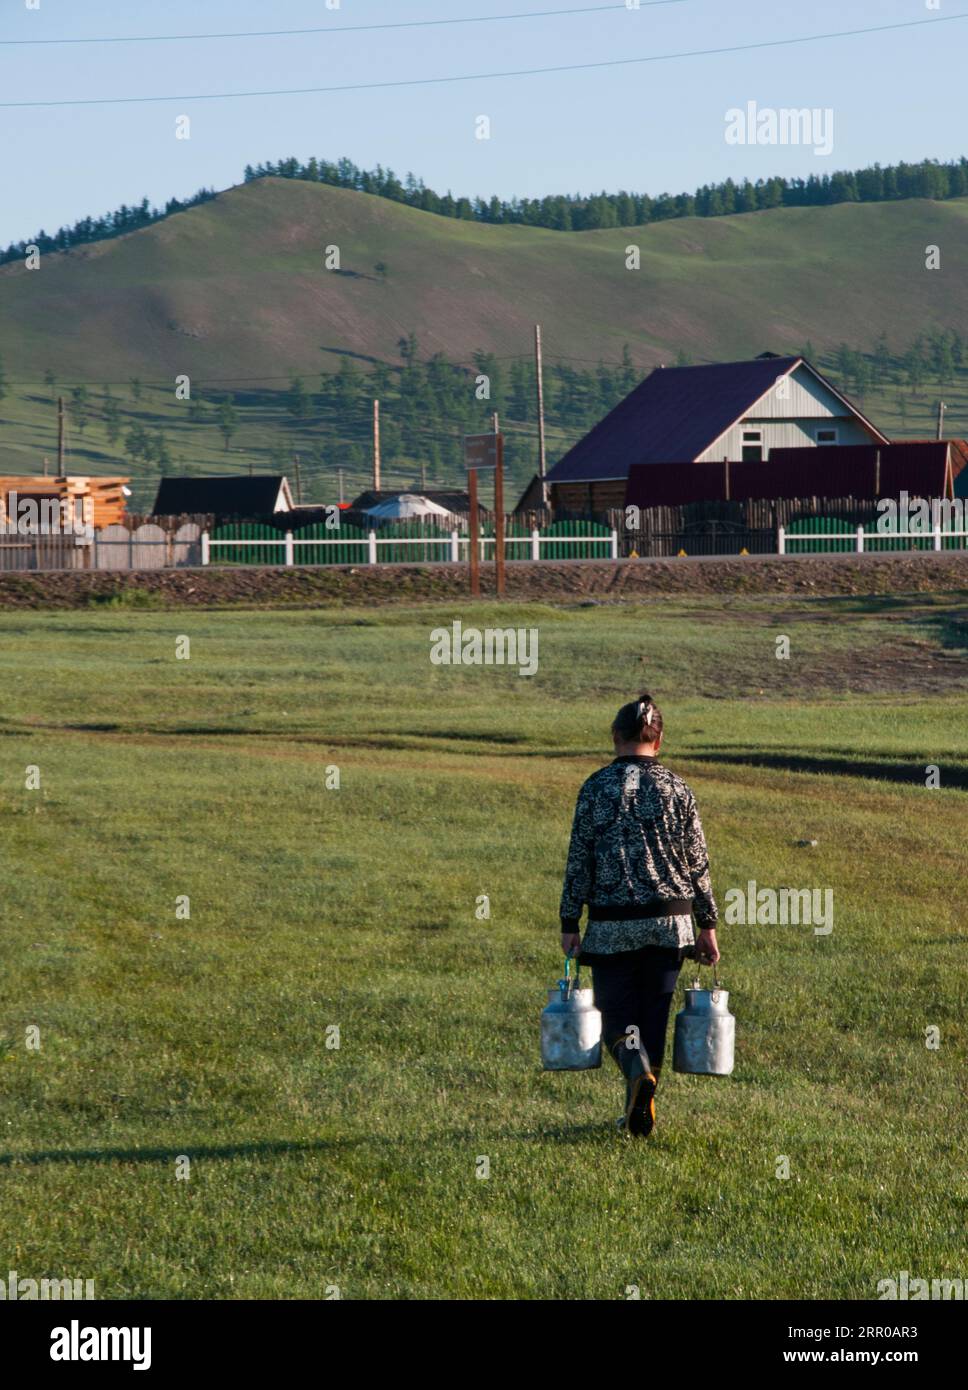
x,y
295,460
60,436
726,470
541,420
499,512
376,446
340,473
877,473
941,410
473,552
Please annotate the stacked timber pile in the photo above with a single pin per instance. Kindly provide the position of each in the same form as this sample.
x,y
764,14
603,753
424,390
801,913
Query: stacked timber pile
x,y
102,499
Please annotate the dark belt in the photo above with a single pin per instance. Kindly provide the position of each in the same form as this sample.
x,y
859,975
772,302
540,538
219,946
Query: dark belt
x,y
655,907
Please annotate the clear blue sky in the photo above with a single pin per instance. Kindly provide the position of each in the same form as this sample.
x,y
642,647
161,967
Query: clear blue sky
x,y
652,127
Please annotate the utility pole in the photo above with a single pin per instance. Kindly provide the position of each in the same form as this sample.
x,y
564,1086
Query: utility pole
x,y
941,411
423,475
60,436
339,472
541,423
376,446
295,461
498,508
474,554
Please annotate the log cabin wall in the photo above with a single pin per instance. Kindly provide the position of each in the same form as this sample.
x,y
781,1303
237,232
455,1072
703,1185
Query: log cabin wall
x,y
102,499
587,498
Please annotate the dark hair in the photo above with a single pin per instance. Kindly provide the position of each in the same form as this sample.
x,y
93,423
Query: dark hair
x,y
640,721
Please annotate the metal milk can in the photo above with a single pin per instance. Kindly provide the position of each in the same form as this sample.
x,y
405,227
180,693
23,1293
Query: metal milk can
x,y
571,1027
705,1032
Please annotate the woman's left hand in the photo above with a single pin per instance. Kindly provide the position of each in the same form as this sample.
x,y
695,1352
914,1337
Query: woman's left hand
x,y
570,942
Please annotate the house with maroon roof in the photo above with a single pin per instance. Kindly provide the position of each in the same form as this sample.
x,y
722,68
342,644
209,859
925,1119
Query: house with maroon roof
x,y
724,412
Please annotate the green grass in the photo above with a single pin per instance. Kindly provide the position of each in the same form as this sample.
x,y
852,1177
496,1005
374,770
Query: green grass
x,y
355,907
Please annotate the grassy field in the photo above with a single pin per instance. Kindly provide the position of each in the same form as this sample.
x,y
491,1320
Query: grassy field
x,y
163,1038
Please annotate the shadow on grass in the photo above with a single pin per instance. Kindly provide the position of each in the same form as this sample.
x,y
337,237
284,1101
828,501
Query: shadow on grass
x,y
884,768
265,1148
271,1148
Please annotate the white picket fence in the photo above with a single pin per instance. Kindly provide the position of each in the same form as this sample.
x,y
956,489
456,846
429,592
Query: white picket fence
x,y
149,546
866,540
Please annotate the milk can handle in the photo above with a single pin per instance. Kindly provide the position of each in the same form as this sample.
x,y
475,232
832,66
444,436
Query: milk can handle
x,y
716,984
568,960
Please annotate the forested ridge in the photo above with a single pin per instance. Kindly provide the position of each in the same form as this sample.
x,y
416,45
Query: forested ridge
x,y
562,212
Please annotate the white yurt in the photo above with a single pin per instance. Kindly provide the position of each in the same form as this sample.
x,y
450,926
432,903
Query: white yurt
x,y
405,507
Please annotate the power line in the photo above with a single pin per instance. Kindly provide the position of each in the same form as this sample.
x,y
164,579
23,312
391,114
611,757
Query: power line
x,y
490,76
341,29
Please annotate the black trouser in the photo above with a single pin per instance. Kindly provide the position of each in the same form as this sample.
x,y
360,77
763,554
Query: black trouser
x,y
635,989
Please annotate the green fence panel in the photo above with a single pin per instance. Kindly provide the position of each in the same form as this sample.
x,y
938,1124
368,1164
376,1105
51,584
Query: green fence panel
x,y
598,546
248,554
402,542
812,535
344,545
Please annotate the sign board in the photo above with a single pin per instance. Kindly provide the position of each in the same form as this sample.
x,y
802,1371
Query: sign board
x,y
481,450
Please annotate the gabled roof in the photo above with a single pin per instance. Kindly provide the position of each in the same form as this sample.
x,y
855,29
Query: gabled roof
x,y
677,413
244,494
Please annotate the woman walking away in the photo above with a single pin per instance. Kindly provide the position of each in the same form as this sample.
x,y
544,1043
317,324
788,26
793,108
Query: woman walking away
x,y
638,859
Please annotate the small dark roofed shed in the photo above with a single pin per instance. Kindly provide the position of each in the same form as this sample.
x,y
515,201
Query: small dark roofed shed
x,y
244,494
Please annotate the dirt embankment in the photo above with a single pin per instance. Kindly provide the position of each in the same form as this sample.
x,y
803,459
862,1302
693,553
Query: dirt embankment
x,y
547,581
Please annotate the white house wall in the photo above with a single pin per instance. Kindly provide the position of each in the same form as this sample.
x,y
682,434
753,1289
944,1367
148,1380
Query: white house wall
x,y
784,434
788,416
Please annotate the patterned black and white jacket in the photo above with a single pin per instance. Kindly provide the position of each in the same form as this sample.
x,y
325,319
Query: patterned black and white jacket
x,y
638,858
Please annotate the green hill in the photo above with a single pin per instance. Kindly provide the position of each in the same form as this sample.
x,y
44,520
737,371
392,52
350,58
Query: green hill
x,y
235,294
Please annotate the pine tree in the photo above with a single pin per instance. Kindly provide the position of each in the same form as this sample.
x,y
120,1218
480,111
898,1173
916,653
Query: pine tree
x,y
346,389
112,421
228,419
628,376
78,407
298,403
136,442
882,359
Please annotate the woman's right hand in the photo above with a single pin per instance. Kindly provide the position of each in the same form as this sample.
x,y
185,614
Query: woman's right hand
x,y
570,943
706,949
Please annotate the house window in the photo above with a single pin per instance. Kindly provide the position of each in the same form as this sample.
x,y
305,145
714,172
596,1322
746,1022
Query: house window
x,y
827,434
752,446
